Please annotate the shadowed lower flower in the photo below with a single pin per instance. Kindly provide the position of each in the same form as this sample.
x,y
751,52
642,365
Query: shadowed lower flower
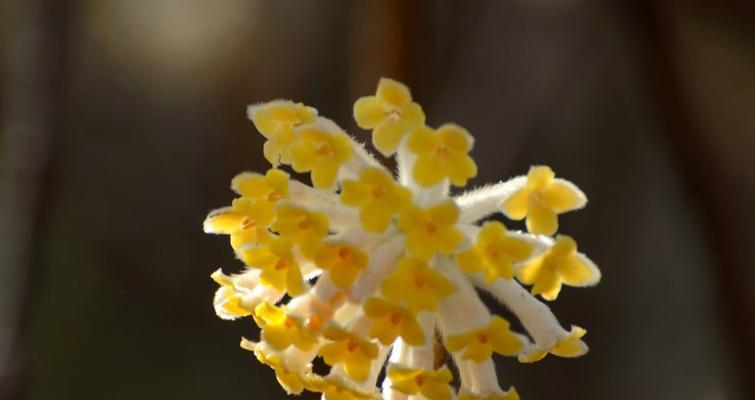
x,y
373,266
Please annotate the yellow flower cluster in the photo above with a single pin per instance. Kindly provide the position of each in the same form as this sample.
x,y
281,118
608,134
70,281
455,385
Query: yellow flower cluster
x,y
381,269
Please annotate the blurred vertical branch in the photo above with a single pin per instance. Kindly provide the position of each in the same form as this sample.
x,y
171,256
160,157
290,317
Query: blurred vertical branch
x,y
704,70
34,58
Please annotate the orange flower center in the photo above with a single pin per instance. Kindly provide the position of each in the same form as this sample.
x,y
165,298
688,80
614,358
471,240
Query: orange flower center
x,y
396,318
431,226
248,223
305,223
325,150
379,191
281,264
420,280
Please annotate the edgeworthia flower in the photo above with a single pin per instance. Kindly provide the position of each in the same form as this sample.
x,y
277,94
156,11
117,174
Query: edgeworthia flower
x,y
380,269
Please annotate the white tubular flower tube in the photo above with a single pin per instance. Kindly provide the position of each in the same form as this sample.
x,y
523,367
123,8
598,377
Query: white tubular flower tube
x,y
536,317
478,378
463,311
382,262
479,203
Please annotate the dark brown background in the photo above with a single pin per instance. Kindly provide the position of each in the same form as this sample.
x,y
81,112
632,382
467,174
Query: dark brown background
x,y
123,122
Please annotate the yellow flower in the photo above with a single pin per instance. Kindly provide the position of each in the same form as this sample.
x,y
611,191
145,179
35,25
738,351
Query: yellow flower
x,y
302,227
480,344
378,197
442,154
495,252
433,385
431,229
322,153
228,300
337,388
390,114
276,121
561,264
292,382
246,222
510,395
278,264
416,284
541,199
356,354
343,261
390,321
271,187
569,347
249,216
281,331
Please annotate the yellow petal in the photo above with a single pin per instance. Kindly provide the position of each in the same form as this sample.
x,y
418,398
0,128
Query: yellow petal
x,y
428,170
376,218
411,332
577,270
541,219
548,284
540,177
530,272
324,175
223,221
354,193
515,207
563,197
460,169
478,352
369,112
412,116
422,141
457,342
387,136
469,261
358,369
294,280
456,138
572,346
393,92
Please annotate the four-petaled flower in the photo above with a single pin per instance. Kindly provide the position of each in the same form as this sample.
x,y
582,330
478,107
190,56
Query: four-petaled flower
x,y
494,253
276,121
390,113
322,153
378,197
304,228
281,331
278,264
430,230
343,261
441,154
355,353
479,344
390,321
432,384
541,199
414,283
560,265
228,299
569,347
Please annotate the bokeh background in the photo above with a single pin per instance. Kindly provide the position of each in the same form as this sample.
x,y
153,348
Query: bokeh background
x,y
124,121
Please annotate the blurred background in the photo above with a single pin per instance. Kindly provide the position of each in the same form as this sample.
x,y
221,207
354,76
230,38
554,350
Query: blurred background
x,y
124,121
